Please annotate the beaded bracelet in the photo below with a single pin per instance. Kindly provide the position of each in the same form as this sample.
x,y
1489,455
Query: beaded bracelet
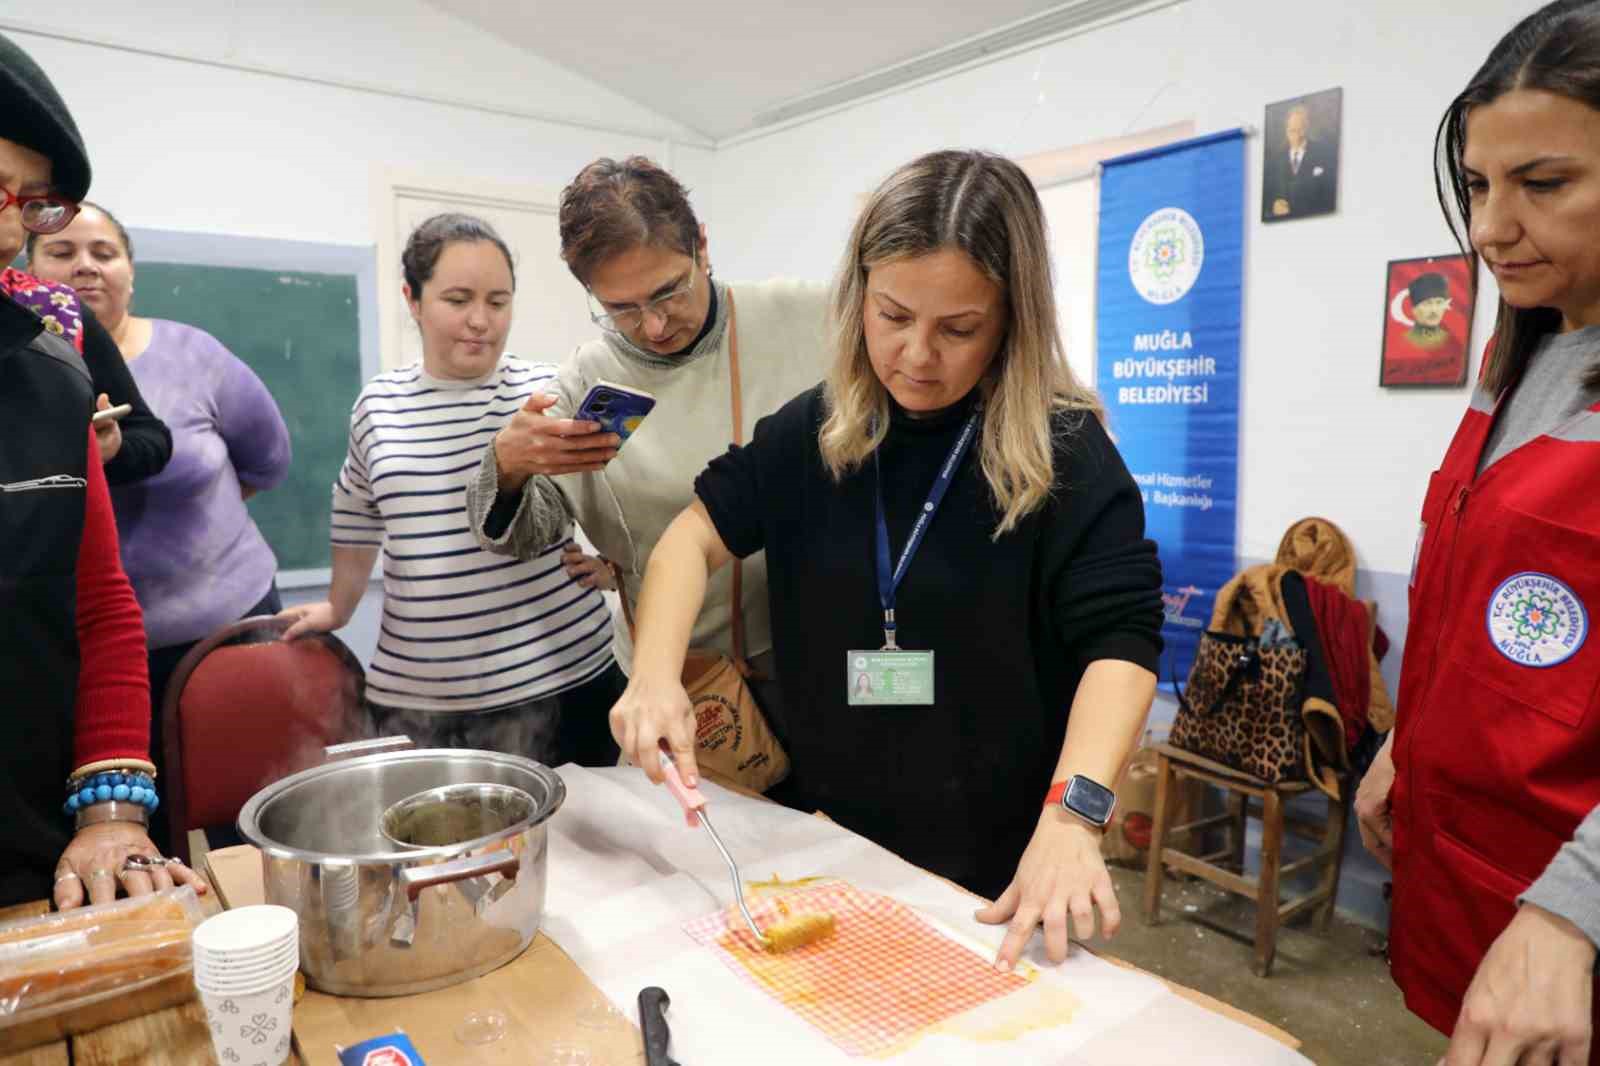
x,y
113,786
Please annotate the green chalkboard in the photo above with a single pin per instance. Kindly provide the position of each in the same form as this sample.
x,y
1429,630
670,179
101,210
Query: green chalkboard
x,y
301,333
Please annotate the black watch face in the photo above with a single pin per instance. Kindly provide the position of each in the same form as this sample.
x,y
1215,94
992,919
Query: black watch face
x,y
1089,800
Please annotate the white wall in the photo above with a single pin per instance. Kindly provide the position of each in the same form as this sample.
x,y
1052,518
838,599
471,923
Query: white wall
x,y
1318,435
199,144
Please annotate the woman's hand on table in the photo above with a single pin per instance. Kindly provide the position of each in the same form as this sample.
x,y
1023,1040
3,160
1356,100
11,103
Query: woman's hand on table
x,y
533,443
590,571
1531,1000
648,712
1061,873
1373,815
96,862
307,618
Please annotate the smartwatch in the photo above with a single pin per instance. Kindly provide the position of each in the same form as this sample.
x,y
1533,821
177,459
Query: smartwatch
x,y
1085,798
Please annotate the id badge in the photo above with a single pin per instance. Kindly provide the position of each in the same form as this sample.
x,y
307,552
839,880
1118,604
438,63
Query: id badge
x,y
885,678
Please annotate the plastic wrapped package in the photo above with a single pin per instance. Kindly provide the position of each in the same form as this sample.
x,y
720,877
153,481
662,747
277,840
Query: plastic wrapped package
x,y
58,963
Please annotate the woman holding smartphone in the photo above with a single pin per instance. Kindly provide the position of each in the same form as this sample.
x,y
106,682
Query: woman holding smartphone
x,y
475,650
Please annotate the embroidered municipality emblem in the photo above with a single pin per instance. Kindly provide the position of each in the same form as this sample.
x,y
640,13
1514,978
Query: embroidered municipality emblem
x,y
1166,255
1536,620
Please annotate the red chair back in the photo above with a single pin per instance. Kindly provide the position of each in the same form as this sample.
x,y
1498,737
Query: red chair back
x,y
245,709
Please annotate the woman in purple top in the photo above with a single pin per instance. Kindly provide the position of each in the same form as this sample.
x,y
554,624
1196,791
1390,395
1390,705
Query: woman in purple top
x,y
196,559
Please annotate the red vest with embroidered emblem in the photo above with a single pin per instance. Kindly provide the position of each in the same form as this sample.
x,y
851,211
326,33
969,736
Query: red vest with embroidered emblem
x,y
1497,744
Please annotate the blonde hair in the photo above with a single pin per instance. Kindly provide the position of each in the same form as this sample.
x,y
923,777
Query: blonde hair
x,y
985,207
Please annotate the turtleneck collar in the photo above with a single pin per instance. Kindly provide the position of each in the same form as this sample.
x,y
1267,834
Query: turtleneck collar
x,y
935,421
710,338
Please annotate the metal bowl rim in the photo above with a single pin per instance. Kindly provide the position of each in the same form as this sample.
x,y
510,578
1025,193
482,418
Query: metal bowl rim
x,y
249,815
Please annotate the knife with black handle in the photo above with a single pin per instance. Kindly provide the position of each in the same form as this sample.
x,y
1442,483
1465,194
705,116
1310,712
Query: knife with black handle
x,y
653,1003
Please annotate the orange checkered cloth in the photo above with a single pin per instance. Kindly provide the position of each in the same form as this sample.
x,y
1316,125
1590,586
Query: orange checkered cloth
x,y
883,977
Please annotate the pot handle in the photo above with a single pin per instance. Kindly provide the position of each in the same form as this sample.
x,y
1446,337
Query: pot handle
x,y
417,878
376,746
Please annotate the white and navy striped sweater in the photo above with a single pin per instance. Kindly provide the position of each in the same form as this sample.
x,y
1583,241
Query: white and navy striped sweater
x,y
463,630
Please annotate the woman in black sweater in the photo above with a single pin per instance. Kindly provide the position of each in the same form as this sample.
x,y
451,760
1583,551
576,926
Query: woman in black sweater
x,y
1029,581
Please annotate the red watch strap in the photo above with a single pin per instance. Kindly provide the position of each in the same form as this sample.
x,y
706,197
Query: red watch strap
x,y
1053,797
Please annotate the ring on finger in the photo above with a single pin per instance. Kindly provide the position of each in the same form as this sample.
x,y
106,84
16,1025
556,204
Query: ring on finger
x,y
70,875
141,862
99,873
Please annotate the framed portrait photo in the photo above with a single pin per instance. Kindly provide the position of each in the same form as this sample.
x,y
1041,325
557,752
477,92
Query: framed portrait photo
x,y
1300,156
1427,322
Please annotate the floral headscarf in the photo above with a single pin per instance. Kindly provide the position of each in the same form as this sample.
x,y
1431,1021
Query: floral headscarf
x,y
56,305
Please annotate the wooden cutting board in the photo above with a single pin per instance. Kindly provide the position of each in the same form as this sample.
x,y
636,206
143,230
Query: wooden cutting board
x,y
542,995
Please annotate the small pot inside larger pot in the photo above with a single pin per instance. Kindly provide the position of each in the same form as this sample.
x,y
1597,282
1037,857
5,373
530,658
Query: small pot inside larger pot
x,y
381,918
455,814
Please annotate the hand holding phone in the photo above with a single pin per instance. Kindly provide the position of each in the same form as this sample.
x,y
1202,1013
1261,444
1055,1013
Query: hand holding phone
x,y
107,434
617,408
112,414
534,444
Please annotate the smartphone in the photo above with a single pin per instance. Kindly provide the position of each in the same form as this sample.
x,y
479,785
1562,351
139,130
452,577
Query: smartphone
x,y
112,414
617,408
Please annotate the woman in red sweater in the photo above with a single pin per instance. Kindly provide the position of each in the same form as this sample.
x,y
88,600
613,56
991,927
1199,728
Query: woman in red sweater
x,y
72,663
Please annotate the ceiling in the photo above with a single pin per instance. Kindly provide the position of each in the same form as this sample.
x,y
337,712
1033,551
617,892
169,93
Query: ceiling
x,y
724,67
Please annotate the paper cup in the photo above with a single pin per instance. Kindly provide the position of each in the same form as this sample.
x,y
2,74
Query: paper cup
x,y
209,964
265,951
251,1029
246,949
246,931
246,985
267,969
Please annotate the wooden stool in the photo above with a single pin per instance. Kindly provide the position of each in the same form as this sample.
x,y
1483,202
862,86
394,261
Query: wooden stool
x,y
1242,789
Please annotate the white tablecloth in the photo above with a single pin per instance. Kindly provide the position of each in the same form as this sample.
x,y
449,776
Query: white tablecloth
x,y
626,873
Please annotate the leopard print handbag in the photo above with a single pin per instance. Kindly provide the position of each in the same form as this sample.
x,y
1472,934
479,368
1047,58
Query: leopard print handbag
x,y
1242,706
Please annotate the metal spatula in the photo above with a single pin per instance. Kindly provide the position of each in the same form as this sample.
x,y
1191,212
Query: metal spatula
x,y
694,812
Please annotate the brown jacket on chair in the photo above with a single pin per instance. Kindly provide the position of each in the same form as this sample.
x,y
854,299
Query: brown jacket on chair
x,y
1316,548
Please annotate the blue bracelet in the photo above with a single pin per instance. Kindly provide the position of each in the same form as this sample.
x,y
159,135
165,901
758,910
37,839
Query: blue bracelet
x,y
114,785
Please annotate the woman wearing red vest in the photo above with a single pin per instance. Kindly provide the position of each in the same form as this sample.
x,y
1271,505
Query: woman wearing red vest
x,y
1486,799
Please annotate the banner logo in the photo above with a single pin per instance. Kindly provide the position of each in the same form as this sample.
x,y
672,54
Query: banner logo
x,y
1536,620
1166,255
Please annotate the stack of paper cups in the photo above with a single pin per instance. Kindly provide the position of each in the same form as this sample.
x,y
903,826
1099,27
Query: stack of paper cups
x,y
244,966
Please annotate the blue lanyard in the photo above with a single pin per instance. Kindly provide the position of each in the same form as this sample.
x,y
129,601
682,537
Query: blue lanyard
x,y
889,580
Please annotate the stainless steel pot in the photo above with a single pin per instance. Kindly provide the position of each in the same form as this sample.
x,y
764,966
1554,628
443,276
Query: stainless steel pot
x,y
381,919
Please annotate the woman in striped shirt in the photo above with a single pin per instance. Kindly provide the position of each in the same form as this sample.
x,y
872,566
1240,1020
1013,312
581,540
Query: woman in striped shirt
x,y
475,650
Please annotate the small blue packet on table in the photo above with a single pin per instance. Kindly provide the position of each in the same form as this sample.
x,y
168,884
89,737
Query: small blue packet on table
x,y
392,1049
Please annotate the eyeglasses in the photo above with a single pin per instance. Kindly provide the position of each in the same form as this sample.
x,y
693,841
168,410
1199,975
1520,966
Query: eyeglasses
x,y
630,318
41,214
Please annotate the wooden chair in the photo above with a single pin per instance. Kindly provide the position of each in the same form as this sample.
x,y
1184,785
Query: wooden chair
x,y
1244,793
244,709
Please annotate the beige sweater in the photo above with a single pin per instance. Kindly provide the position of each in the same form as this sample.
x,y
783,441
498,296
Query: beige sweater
x,y
782,352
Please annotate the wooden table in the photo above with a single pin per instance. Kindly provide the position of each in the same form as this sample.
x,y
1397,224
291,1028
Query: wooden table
x,y
540,992
175,1036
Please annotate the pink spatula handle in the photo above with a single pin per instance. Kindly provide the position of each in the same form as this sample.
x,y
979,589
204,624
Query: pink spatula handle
x,y
690,798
